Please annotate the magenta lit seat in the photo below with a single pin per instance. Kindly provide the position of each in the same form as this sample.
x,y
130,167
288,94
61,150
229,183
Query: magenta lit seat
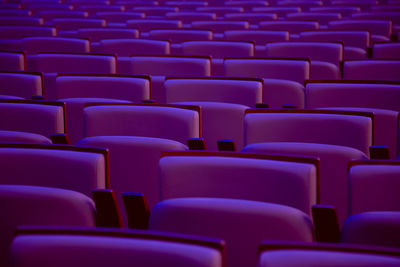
x,y
175,122
23,137
134,163
345,11
223,102
322,17
373,186
218,50
102,247
394,16
34,45
281,11
19,32
241,223
159,11
51,64
40,117
246,4
380,29
76,90
188,17
67,24
221,26
181,35
389,50
118,17
291,254
145,25
220,11
38,7
94,8
355,42
12,61
251,17
264,178
293,27
20,21
50,15
297,70
373,96
97,34
128,47
161,66
334,162
372,69
15,12
325,57
377,228
33,205
334,127
305,5
186,5
21,84
363,4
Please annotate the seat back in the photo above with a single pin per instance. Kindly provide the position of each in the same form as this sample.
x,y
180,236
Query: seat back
x,y
352,38
310,126
34,45
19,32
68,24
34,205
97,34
128,47
373,186
22,84
39,117
293,27
285,69
181,35
259,37
175,122
308,254
240,176
74,168
218,49
145,25
220,26
370,69
389,50
102,247
12,61
322,17
241,223
119,16
375,27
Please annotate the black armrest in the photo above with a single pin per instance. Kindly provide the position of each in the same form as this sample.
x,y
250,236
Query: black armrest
x,y
326,223
137,210
60,138
226,145
107,210
196,144
379,152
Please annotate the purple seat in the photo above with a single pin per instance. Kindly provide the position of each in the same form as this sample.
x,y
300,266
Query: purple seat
x,y
77,90
34,45
33,205
50,15
377,228
119,18
175,122
376,97
380,29
273,254
389,50
281,11
355,42
93,9
363,4
372,69
341,128
20,21
98,34
68,24
221,26
220,11
159,11
81,169
241,223
305,5
373,186
23,137
246,4
181,35
325,57
40,117
134,163
394,16
222,101
22,84
102,247
12,61
189,16
145,25
293,27
345,11
19,32
265,178
322,17
160,66
251,17
186,5
128,47
285,69
218,50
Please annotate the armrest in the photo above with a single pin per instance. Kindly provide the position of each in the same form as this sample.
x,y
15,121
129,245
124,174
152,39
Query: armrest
x,y
262,105
107,210
38,97
326,223
289,106
149,101
196,144
379,152
60,138
226,145
137,210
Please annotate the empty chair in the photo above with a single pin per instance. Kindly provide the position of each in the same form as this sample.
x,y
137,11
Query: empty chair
x,y
20,21
222,100
322,17
325,57
293,27
355,42
40,117
75,168
15,12
175,122
252,18
12,61
100,247
292,254
97,34
119,18
145,25
19,32
380,29
334,127
253,221
246,4
285,69
380,98
221,26
34,45
305,5
50,15
363,4
155,10
22,84
218,50
51,64
181,35
220,11
71,25
76,90
371,69
378,228
34,205
394,16
23,137
345,11
390,50
37,7
93,9
281,11
264,178
160,66
188,17
186,5
373,186
128,47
